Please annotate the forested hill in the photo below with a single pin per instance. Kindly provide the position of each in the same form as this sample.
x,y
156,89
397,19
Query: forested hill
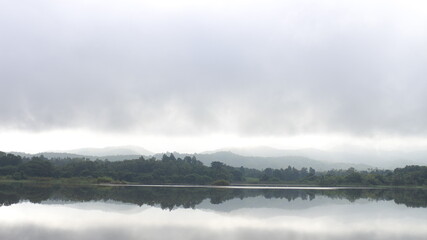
x,y
226,157
257,162
62,155
189,170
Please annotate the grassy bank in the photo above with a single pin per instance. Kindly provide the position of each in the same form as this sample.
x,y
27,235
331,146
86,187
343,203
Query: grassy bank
x,y
103,180
68,181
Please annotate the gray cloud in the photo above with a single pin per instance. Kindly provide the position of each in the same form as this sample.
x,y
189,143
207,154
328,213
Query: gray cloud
x,y
252,68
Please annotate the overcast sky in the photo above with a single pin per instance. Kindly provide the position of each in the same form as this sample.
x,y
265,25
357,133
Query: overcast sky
x,y
198,75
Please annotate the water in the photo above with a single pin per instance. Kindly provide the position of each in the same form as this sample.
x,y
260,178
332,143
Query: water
x,y
140,212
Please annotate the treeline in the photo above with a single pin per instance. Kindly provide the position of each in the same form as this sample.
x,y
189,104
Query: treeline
x,y
409,175
168,170
188,170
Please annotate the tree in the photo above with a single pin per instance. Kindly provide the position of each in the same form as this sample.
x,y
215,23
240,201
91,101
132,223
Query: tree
x,y
311,172
38,168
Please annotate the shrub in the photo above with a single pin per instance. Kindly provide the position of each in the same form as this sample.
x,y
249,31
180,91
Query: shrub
x,y
221,182
104,180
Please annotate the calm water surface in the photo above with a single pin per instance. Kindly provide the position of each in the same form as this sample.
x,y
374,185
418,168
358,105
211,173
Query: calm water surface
x,y
138,212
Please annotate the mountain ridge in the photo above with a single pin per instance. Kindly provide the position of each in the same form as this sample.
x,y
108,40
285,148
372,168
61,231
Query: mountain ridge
x,y
226,157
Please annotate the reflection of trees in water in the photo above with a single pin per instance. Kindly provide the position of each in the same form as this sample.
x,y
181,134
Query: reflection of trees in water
x,y
410,197
170,198
13,193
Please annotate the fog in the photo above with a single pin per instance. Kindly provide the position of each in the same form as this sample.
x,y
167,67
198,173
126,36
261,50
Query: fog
x,y
250,69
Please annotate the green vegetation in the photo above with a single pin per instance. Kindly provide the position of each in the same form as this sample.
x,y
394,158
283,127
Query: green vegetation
x,y
171,170
104,180
221,182
407,176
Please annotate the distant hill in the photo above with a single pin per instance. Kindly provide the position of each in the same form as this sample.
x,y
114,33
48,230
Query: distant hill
x,y
111,151
378,158
72,155
275,158
265,151
49,155
263,157
236,160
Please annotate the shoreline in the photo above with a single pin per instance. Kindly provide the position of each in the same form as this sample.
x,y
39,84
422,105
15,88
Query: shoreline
x,y
267,186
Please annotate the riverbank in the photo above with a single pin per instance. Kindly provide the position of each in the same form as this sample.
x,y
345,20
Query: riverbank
x,y
101,182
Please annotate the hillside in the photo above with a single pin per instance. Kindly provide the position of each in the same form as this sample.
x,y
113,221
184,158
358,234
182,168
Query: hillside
x,y
236,160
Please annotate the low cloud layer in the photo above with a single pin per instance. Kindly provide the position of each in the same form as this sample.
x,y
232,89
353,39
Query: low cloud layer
x,y
253,68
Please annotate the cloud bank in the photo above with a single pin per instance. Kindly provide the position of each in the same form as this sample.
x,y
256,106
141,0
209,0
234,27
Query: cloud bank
x,y
252,68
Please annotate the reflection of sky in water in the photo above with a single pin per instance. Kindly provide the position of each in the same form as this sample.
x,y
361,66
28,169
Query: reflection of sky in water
x,y
112,220
276,203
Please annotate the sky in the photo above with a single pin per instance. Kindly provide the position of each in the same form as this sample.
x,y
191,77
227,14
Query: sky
x,y
190,76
